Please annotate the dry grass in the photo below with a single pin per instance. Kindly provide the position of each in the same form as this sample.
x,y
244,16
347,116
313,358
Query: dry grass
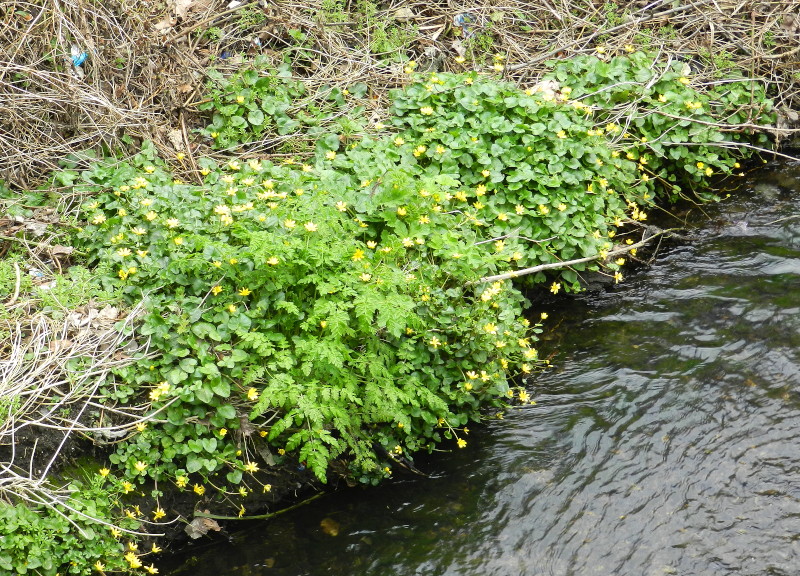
x,y
51,377
145,68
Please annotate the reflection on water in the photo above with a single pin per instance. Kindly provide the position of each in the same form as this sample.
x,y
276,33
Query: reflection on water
x,y
664,442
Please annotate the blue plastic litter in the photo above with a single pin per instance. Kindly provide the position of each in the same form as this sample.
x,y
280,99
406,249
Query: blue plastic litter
x,y
465,22
78,59
463,19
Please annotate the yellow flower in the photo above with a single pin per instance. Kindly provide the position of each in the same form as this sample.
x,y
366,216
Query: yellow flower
x,y
172,223
233,261
216,263
140,466
330,155
459,59
662,98
555,287
371,244
199,490
151,569
310,226
158,513
98,219
252,394
251,467
709,171
435,342
178,240
402,211
133,560
289,223
629,48
440,149
620,261
490,328
617,277
426,110
684,80
502,216
127,487
561,134
244,292
223,432
104,472
365,277
341,206
99,566
216,290
273,261
358,255
141,253
498,67
268,487
399,141
462,443
232,308
181,481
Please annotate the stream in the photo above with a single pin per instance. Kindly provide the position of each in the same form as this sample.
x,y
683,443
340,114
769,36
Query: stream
x,y
664,440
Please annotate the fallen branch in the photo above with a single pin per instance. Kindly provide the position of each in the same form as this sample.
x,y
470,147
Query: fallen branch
x,y
568,263
259,516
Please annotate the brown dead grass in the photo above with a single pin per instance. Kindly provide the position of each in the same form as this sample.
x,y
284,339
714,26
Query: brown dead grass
x,y
145,70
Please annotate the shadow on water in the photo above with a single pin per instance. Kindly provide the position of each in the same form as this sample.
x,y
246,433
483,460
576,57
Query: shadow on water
x,y
663,442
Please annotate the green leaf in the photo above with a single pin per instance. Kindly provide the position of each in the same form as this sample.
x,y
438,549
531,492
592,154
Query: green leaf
x,y
227,411
255,117
221,388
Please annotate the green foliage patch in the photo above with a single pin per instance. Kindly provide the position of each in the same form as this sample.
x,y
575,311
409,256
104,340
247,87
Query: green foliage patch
x,y
258,103
68,538
335,309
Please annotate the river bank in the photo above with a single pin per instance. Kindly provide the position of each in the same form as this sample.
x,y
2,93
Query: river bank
x,y
173,399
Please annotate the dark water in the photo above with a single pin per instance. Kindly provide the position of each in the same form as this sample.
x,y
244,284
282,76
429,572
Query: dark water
x,y
665,441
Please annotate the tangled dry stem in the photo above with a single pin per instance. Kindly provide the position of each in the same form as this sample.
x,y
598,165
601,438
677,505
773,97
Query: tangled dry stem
x,y
50,382
145,70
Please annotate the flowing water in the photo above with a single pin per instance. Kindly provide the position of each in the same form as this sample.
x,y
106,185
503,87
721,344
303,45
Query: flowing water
x,y
664,440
